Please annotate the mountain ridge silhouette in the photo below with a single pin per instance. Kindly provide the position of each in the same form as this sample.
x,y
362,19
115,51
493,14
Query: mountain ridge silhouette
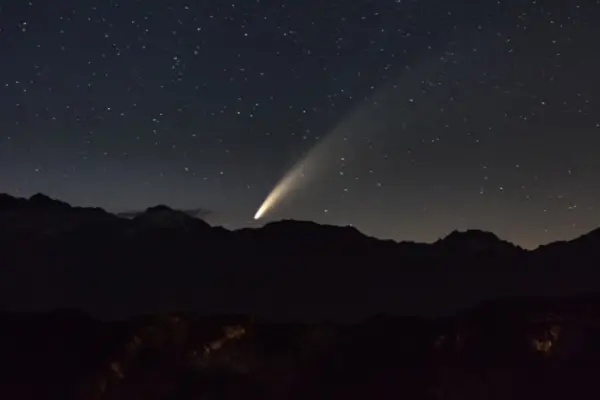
x,y
58,256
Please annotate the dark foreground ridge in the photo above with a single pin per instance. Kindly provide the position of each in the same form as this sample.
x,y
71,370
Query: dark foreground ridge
x,y
513,349
54,256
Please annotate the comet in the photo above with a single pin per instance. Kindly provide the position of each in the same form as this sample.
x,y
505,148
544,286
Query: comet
x,y
302,173
389,107
325,153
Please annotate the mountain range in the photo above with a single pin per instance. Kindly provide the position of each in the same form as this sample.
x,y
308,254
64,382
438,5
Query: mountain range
x,y
54,255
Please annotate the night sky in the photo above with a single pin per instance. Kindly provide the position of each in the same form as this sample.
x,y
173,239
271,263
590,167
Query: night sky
x,y
439,115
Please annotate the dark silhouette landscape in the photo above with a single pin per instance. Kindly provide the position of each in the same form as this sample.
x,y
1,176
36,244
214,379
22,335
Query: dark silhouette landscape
x,y
161,305
58,256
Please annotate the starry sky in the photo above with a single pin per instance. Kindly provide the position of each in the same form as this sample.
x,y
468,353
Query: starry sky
x,y
440,114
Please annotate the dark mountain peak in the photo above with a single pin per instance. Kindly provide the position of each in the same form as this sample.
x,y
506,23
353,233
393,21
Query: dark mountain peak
x,y
586,245
307,226
160,208
291,224
292,235
162,211
590,237
37,202
41,217
40,197
313,230
7,201
162,216
472,234
44,202
475,240
195,212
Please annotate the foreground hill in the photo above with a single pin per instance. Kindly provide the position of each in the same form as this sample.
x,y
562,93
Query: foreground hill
x,y
521,348
54,255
